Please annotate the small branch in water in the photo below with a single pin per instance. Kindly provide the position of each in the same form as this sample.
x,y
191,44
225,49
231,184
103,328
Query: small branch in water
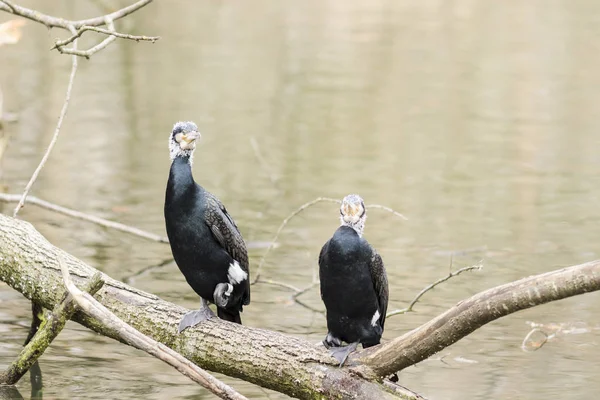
x,y
540,334
43,332
136,339
427,288
10,198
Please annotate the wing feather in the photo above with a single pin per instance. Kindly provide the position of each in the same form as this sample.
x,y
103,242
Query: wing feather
x,y
380,283
227,234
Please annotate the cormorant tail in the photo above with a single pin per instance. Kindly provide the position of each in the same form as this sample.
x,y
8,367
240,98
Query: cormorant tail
x,y
229,315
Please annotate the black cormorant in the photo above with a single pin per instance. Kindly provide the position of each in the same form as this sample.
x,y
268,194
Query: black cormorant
x,y
354,284
206,244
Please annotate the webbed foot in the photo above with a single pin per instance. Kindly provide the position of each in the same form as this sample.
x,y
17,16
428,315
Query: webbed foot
x,y
193,318
342,353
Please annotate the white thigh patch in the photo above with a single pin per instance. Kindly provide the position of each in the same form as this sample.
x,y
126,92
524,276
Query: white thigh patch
x,y
229,290
375,318
235,273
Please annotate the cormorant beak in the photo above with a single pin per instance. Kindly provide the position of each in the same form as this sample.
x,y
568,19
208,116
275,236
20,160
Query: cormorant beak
x,y
350,212
189,137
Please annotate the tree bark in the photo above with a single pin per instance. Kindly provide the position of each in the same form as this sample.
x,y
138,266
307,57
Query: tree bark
x,y
28,263
290,365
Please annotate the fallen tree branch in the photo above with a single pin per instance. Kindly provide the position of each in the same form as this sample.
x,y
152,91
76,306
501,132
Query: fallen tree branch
x,y
142,342
39,339
431,286
476,311
270,359
11,198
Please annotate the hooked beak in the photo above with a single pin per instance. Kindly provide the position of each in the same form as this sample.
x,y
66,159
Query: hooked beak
x,y
350,212
190,137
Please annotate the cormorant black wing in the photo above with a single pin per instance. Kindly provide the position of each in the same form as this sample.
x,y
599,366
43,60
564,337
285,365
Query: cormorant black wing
x,y
380,283
321,261
227,235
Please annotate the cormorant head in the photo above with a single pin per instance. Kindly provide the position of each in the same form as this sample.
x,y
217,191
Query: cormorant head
x,y
182,140
353,213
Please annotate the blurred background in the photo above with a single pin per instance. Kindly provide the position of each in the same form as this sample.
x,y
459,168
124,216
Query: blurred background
x,y
478,120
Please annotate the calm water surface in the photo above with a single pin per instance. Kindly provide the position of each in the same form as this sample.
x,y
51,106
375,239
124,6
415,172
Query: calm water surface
x,y
478,120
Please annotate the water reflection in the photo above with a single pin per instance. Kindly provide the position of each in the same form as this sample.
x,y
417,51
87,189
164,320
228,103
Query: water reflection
x,y
478,120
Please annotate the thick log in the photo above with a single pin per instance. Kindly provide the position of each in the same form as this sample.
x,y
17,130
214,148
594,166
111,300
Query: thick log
x,y
28,263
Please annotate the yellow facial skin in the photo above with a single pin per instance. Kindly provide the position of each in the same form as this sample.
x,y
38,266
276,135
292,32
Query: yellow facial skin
x,y
187,141
351,212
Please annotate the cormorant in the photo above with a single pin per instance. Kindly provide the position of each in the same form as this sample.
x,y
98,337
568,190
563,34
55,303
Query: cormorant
x,y
206,244
354,284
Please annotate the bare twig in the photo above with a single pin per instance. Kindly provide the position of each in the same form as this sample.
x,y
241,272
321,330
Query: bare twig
x,y
302,291
81,30
431,286
42,334
277,283
297,292
384,208
10,6
262,161
298,211
55,22
283,224
12,198
140,341
63,112
89,52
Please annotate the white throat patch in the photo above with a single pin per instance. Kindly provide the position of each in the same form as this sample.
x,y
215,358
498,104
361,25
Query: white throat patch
x,y
235,273
358,226
175,150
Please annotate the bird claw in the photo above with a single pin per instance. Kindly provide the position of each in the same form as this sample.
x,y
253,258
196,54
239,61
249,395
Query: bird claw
x,y
193,318
342,353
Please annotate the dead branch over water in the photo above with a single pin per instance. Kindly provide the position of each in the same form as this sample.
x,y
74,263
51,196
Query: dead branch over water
x,y
267,358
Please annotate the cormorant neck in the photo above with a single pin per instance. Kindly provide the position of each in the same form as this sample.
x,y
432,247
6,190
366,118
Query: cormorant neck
x,y
176,152
358,226
180,176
